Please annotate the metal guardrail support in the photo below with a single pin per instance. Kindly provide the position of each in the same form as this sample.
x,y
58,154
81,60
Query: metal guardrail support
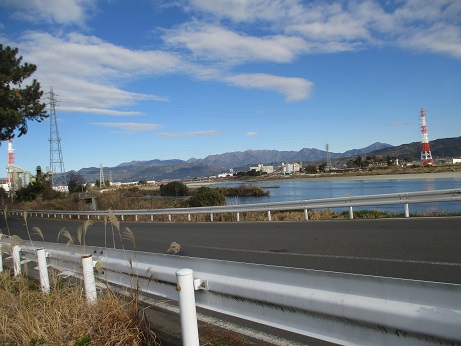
x,y
185,288
43,270
337,307
407,198
16,260
88,278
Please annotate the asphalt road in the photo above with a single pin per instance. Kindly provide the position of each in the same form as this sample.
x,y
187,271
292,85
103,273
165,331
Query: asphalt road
x,y
414,248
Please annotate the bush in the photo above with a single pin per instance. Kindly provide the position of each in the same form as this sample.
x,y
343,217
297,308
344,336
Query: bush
x,y
174,188
206,197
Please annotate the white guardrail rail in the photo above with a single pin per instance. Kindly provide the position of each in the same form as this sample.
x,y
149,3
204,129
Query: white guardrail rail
x,y
336,307
405,199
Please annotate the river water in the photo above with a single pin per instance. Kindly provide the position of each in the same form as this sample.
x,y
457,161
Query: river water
x,y
294,190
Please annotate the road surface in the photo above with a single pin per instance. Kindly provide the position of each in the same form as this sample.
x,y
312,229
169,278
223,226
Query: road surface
x,y
412,248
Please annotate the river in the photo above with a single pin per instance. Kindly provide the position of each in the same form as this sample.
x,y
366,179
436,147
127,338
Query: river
x,y
306,189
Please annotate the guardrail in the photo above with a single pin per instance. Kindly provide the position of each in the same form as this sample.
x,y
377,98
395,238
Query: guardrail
x,y
404,199
336,307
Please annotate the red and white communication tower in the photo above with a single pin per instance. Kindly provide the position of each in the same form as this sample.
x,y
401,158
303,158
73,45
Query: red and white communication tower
x,y
9,167
426,156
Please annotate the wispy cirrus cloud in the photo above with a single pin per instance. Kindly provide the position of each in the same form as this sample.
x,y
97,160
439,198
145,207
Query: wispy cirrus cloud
x,y
129,128
214,42
292,89
251,133
189,134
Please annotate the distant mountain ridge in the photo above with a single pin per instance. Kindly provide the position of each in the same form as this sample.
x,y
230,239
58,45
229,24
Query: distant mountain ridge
x,y
241,160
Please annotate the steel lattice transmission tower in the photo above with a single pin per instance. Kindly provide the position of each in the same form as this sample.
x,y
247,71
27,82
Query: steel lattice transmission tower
x,y
328,163
102,183
58,173
426,156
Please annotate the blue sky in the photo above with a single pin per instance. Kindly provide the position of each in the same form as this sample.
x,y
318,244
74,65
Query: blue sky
x,y
153,79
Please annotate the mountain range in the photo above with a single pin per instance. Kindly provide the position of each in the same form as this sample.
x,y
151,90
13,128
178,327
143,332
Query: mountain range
x,y
242,160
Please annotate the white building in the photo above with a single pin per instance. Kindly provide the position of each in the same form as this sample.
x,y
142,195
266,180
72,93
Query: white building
x,y
263,169
290,168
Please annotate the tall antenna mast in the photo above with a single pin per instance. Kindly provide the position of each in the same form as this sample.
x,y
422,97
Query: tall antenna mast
x,y
426,156
58,173
328,165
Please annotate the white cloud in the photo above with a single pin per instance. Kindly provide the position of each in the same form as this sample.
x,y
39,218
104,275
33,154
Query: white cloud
x,y
251,133
100,111
249,11
189,134
50,11
212,42
330,27
87,72
130,128
293,89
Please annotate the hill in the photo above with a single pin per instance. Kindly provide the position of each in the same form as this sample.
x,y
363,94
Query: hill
x,y
242,160
440,148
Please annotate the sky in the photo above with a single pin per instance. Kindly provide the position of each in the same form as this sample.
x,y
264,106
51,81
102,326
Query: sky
x,y
166,79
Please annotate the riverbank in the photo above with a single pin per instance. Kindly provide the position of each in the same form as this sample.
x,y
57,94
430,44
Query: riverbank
x,y
336,176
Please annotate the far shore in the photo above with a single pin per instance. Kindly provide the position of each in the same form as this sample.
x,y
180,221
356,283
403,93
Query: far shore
x,y
333,176
403,176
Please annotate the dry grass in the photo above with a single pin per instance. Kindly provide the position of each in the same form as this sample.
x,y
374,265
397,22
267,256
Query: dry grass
x,y
63,317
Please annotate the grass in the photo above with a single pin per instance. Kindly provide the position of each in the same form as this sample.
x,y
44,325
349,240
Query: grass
x,y
63,317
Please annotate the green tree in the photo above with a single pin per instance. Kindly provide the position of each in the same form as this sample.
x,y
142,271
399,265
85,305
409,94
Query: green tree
x,y
76,183
206,197
18,103
311,169
358,161
41,186
174,188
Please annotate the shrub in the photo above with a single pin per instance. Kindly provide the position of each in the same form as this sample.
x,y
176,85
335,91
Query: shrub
x,y
206,197
174,188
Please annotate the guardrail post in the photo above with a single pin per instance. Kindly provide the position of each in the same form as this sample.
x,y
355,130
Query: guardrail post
x,y
211,217
407,210
136,217
43,270
269,217
123,218
351,213
88,278
188,217
169,217
188,313
238,216
306,215
16,260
